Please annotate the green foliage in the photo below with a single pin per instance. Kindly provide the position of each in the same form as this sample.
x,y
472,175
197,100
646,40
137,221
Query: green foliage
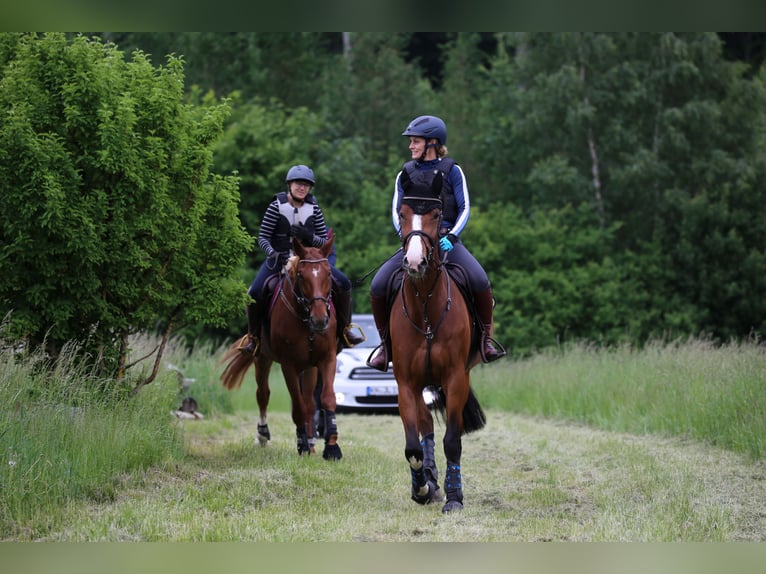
x,y
653,132
108,204
67,434
628,167
553,278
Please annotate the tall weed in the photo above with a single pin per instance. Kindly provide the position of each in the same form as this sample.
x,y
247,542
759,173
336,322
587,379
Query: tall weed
x,y
67,434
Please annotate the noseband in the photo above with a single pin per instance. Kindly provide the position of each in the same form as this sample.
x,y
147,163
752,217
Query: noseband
x,y
422,206
304,302
431,245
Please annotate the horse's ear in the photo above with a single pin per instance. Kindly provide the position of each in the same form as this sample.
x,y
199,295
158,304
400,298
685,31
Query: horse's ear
x,y
327,247
298,247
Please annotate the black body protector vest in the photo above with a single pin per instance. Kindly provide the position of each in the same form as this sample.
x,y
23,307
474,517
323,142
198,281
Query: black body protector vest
x,y
290,215
424,178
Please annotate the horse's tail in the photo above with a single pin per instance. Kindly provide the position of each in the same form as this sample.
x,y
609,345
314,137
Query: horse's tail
x,y
473,415
237,364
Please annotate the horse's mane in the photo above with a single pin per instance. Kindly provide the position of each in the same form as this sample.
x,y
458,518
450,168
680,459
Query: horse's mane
x,y
291,266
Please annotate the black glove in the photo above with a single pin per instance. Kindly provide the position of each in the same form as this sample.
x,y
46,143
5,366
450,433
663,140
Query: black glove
x,y
303,233
278,260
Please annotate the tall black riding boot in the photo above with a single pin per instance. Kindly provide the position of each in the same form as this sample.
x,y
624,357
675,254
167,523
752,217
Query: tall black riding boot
x,y
254,312
378,359
346,334
484,305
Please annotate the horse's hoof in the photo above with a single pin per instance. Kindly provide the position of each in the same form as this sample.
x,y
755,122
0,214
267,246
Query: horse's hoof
x,y
263,436
437,495
332,452
427,497
452,505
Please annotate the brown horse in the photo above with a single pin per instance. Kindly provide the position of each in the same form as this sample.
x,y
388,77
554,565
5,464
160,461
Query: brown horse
x,y
432,345
299,335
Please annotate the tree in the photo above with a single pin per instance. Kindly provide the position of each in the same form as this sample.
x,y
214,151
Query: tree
x,y
659,135
110,220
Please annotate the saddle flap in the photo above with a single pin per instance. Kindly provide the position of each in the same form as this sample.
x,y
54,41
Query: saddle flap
x,y
271,290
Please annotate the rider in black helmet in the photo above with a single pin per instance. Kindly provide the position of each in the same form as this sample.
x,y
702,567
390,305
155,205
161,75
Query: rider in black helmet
x,y
427,145
295,213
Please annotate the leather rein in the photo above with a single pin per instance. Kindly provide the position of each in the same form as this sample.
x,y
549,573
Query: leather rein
x,y
304,303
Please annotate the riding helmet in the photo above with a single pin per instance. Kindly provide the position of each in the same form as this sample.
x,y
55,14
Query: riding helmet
x,y
427,127
300,172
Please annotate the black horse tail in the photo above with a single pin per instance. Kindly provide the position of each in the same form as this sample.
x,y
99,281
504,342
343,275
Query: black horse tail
x,y
473,415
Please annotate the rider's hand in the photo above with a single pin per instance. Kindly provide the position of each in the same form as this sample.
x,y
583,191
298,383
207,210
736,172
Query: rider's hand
x,y
278,260
303,233
445,244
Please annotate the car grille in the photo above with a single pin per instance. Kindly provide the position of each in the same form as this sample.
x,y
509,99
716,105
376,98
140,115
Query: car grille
x,y
369,374
377,400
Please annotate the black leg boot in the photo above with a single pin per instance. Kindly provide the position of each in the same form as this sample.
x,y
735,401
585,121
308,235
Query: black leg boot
x,y
484,305
379,357
254,313
346,334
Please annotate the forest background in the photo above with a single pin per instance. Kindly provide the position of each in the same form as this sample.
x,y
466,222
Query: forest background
x,y
617,180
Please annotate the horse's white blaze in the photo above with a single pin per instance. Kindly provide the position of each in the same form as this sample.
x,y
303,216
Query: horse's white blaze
x,y
315,272
415,255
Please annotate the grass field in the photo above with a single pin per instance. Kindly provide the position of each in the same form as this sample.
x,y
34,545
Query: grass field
x,y
660,444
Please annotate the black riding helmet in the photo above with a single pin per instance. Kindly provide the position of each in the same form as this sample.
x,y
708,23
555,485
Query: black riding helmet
x,y
428,127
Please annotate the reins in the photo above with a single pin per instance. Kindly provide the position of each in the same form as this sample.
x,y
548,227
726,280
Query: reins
x,y
429,333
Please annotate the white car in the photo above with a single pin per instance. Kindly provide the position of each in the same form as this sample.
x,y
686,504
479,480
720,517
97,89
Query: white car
x,y
360,388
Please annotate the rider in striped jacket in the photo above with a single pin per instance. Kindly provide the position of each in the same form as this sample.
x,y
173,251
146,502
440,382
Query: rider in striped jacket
x,y
295,213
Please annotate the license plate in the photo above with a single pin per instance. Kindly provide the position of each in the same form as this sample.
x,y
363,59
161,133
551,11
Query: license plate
x,y
389,390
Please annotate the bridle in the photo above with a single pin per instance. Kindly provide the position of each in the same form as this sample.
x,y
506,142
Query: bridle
x,y
305,303
429,332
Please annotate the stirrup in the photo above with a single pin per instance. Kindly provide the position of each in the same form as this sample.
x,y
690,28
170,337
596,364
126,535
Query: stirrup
x,y
378,351
346,340
483,346
249,345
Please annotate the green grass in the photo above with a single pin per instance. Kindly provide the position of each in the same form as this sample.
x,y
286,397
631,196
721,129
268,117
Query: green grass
x,y
82,460
693,389
65,434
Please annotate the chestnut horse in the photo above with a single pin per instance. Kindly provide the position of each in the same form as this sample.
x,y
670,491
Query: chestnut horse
x,y
432,345
300,335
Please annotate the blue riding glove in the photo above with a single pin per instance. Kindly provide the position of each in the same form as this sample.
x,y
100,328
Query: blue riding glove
x,y
445,244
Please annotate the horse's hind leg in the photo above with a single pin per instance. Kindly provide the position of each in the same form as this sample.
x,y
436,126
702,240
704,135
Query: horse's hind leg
x,y
262,394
